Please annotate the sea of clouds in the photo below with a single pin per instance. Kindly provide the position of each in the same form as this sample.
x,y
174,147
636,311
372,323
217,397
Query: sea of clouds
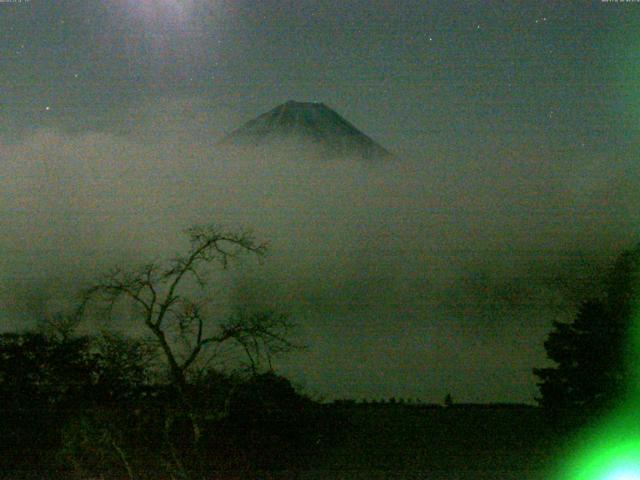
x,y
412,277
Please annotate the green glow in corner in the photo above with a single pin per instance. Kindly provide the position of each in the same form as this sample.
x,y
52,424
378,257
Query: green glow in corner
x,y
610,448
618,463
609,451
624,473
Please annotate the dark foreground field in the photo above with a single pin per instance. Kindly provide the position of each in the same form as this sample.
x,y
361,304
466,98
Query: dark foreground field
x,y
381,442
396,442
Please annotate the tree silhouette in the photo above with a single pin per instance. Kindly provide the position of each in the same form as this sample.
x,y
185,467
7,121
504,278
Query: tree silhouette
x,y
448,400
48,381
591,353
37,371
171,301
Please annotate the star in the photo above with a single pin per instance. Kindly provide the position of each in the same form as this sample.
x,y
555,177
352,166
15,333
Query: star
x,y
47,108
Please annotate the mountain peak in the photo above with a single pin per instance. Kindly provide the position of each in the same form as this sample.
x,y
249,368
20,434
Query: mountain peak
x,y
307,122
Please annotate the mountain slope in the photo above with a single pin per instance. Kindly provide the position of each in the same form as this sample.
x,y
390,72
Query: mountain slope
x,y
308,123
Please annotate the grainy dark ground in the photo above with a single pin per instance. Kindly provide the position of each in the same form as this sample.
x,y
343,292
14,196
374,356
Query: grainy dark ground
x,y
456,443
450,443
408,442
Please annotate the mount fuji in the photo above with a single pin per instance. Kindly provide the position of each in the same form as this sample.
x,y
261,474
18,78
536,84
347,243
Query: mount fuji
x,y
308,124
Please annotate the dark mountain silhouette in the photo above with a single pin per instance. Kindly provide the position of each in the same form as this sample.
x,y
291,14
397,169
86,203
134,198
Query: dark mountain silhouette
x,y
307,123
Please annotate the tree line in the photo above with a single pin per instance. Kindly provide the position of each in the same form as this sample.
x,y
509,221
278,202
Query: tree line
x,y
595,368
152,406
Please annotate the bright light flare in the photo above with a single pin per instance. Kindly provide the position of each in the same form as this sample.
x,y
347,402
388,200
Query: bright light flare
x,y
159,12
609,451
164,26
624,473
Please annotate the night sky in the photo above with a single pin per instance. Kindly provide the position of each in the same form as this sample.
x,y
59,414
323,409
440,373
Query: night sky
x,y
515,127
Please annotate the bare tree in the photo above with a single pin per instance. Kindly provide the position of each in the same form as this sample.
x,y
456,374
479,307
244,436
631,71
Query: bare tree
x,y
261,335
59,325
170,300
